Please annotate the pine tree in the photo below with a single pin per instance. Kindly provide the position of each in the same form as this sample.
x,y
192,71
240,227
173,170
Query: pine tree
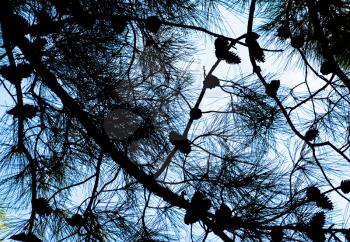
x,y
107,139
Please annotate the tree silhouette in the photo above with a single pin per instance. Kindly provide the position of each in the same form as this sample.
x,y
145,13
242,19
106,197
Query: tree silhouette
x,y
106,139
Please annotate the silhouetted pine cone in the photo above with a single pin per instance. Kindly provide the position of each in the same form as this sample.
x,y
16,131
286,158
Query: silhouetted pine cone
x,y
272,88
119,23
232,58
315,228
222,51
19,27
283,31
258,53
24,70
195,113
223,217
345,186
76,220
256,69
42,207
220,54
10,74
318,220
313,193
211,81
180,142
254,47
198,207
311,134
297,41
221,43
324,202
327,68
153,24
27,111
276,234
184,147
16,74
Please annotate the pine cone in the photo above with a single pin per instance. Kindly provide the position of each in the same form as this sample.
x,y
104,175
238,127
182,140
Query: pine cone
x,y
42,207
311,134
195,113
276,234
283,31
327,68
223,217
232,58
180,142
27,111
119,24
153,24
221,43
297,41
324,202
318,220
254,47
24,70
211,81
272,88
315,228
16,74
345,186
313,193
76,220
19,28
198,207
10,74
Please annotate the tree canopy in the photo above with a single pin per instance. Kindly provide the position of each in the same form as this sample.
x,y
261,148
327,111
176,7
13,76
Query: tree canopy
x,y
107,137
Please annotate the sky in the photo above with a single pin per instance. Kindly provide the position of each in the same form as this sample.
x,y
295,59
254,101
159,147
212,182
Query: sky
x,y
233,26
